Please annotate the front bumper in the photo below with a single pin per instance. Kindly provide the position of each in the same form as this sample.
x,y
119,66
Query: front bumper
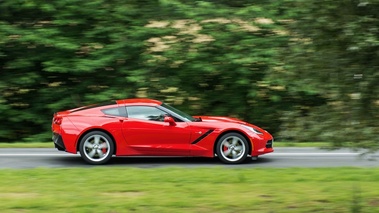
x,y
58,142
269,143
263,147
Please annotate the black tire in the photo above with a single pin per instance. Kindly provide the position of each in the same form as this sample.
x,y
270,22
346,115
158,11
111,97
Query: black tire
x,y
232,148
96,148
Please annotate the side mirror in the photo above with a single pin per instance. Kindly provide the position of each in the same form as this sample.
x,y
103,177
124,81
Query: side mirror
x,y
169,120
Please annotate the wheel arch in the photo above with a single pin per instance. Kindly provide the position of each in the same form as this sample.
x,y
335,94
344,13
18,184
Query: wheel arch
x,y
100,130
233,131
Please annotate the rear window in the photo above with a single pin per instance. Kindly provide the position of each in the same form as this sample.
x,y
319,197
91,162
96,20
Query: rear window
x,y
115,111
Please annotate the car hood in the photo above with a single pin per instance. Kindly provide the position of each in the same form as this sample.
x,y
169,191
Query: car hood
x,y
224,123
220,119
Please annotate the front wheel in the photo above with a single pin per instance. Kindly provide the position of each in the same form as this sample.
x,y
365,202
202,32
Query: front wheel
x,y
232,148
96,147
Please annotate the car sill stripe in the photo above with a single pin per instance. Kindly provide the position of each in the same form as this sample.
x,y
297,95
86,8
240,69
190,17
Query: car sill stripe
x,y
202,136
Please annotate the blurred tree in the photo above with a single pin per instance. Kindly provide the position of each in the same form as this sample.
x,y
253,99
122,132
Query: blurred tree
x,y
214,59
305,69
333,54
62,54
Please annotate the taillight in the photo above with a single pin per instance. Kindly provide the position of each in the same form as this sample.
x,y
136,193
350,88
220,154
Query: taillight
x,y
57,120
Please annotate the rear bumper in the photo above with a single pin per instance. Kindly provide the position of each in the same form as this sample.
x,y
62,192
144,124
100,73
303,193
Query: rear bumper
x,y
58,142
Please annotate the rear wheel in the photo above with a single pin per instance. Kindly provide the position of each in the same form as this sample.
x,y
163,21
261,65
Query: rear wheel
x,y
96,147
232,148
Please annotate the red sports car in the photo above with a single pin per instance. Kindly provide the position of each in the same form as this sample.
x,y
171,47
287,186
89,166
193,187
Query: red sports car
x,y
145,127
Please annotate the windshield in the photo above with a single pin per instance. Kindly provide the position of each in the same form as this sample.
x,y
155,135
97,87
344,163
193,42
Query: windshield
x,y
178,112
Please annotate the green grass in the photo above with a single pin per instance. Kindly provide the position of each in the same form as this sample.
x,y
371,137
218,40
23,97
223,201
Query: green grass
x,y
171,189
27,145
51,145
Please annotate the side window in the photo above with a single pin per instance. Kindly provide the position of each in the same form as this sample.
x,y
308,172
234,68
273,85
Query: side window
x,y
116,111
145,113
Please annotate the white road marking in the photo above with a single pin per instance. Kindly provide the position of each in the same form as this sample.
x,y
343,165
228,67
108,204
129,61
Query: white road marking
x,y
317,154
34,154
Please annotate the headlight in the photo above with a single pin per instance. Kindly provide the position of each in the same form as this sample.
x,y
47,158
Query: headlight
x,y
252,129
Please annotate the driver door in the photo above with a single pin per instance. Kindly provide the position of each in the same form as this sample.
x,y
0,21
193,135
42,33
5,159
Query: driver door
x,y
146,132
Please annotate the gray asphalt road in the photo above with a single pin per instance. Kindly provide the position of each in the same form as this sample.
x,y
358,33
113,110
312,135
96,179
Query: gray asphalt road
x,y
282,157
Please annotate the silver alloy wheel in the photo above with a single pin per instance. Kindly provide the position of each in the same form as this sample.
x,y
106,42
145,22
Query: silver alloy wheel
x,y
232,148
96,148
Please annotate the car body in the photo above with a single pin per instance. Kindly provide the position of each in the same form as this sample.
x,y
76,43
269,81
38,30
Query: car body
x,y
146,127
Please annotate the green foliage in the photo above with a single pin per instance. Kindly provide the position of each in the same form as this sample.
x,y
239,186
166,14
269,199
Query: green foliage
x,y
59,55
333,53
304,70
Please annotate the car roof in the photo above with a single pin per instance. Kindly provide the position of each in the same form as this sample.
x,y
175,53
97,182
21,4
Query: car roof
x,y
139,101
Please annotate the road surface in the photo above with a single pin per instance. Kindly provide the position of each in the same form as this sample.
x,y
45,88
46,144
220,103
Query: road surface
x,y
281,158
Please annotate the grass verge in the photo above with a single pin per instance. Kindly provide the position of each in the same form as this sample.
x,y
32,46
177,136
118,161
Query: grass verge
x,y
27,145
171,189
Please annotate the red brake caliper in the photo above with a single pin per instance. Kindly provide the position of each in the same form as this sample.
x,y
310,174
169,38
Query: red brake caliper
x,y
224,148
104,150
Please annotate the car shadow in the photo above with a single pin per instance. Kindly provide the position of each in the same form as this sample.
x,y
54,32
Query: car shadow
x,y
151,162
